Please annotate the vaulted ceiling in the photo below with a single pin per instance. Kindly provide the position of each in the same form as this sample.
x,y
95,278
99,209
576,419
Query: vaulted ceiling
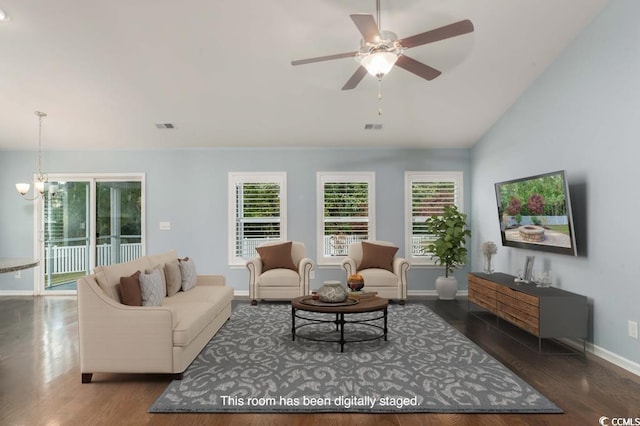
x,y
106,72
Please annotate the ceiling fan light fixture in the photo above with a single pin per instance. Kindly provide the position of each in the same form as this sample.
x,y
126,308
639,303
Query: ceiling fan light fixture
x,y
378,64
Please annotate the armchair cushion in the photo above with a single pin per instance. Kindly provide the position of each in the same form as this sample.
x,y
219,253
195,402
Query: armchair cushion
x,y
276,256
377,256
280,277
379,277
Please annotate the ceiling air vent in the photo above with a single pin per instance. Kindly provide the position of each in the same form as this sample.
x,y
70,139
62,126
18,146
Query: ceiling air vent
x,y
373,126
165,126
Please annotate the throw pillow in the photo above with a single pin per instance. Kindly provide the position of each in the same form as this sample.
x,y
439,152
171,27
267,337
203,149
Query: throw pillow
x,y
173,277
188,272
276,256
153,287
377,256
130,290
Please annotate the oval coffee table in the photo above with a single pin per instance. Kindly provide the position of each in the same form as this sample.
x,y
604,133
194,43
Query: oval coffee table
x,y
370,304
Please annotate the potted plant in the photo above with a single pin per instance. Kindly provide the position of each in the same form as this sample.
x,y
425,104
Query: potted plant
x,y
450,232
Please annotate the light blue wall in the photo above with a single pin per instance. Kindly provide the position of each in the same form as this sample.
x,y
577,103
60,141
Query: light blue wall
x,y
582,115
189,189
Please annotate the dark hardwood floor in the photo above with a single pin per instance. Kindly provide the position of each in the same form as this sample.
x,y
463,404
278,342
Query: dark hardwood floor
x,y
40,379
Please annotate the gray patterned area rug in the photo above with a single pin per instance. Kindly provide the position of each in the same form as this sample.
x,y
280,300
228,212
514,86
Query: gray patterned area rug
x,y
252,365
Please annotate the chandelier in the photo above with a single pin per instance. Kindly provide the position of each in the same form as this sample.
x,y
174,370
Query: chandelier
x,y
39,179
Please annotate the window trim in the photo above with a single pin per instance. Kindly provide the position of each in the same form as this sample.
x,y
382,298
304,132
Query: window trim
x,y
234,178
335,177
457,177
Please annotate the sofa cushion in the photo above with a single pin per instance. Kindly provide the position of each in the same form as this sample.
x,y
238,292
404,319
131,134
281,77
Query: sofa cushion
x,y
275,256
153,287
219,296
192,317
161,259
195,309
130,290
377,256
188,273
173,277
108,276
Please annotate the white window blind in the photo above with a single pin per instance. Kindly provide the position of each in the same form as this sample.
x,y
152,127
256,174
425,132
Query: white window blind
x,y
427,194
346,212
257,211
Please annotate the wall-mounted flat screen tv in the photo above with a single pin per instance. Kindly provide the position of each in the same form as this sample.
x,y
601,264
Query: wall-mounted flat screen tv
x,y
535,213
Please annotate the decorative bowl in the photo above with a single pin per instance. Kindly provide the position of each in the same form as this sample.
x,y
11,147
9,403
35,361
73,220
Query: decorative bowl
x,y
332,292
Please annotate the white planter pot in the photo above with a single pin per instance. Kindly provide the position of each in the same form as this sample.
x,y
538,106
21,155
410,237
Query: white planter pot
x,y
447,287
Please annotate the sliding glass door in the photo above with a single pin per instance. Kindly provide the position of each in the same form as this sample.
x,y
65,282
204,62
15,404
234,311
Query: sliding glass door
x,y
66,229
88,220
118,222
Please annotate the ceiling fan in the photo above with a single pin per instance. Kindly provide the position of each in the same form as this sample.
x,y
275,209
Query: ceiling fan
x,y
381,50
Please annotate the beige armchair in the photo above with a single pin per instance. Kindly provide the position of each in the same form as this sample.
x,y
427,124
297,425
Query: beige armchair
x,y
280,272
382,270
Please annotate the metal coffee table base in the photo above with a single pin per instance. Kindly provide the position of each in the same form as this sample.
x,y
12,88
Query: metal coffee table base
x,y
340,323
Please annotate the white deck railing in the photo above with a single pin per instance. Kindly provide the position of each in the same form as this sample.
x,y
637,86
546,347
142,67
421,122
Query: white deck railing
x,y
62,260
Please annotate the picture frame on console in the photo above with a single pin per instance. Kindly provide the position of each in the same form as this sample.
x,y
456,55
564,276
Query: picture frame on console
x,y
528,269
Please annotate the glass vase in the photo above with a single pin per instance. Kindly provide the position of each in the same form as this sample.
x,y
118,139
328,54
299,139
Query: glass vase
x,y
488,265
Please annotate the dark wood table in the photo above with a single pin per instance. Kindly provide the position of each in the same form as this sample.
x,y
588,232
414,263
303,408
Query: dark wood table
x,y
370,304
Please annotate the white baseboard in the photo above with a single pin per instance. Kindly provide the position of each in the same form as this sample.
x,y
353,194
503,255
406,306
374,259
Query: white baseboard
x,y
16,293
627,364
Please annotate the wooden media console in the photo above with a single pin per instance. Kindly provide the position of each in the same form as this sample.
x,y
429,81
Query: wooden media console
x,y
545,312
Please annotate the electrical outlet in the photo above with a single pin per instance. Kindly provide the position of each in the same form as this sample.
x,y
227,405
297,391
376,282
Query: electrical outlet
x,y
312,275
633,329
18,275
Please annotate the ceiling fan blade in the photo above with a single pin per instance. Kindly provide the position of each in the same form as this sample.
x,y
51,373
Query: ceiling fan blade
x,y
355,79
367,26
418,68
448,31
324,58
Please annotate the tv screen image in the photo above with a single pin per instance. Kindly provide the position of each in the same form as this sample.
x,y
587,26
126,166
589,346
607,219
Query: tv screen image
x,y
535,213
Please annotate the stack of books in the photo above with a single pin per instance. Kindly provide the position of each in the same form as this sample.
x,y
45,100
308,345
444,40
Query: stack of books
x,y
362,294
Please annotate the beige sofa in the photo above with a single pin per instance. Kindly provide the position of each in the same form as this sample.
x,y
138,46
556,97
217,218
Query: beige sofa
x,y
117,338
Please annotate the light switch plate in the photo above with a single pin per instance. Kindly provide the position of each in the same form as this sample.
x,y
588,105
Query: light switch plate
x,y
165,226
633,329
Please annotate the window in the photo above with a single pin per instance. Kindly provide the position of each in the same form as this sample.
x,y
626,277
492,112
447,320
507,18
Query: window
x,y
345,213
426,194
257,212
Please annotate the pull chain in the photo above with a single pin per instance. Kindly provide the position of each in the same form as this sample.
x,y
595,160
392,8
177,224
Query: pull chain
x,y
380,96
